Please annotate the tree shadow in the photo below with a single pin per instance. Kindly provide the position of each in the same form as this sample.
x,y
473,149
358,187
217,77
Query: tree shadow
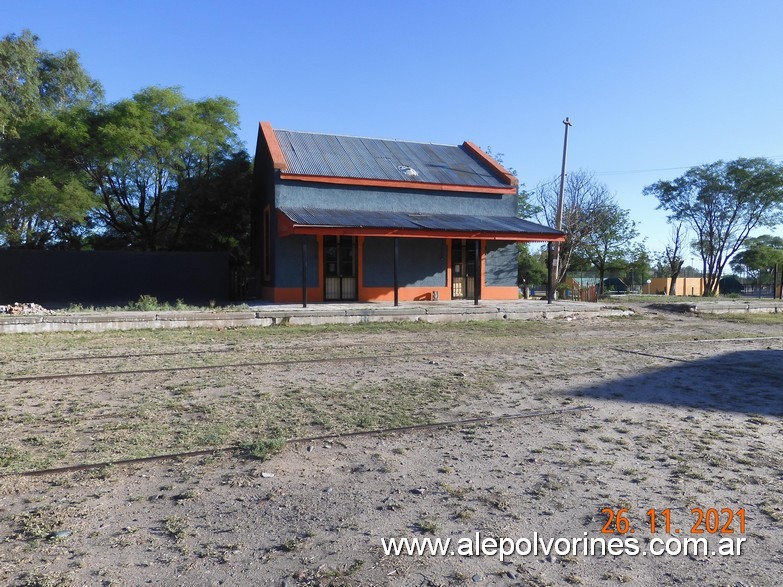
x,y
748,382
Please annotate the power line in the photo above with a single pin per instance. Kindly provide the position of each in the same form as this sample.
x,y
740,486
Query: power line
x,y
639,171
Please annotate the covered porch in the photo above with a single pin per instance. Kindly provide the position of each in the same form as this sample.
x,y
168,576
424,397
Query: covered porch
x,y
399,256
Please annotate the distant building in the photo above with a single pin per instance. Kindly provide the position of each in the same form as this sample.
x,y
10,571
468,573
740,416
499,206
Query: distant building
x,y
352,218
615,284
730,285
685,286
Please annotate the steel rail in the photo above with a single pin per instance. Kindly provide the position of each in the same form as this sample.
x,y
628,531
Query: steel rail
x,y
361,358
229,366
220,350
304,440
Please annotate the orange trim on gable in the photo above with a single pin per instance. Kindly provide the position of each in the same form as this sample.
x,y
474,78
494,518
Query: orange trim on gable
x,y
278,159
399,184
497,169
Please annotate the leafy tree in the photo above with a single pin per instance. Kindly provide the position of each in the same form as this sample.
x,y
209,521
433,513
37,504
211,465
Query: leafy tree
x,y
583,198
610,233
637,264
221,214
44,199
722,203
150,157
47,212
33,82
760,257
532,268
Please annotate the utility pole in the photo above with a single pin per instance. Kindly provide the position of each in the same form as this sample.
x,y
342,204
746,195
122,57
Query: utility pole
x,y
555,255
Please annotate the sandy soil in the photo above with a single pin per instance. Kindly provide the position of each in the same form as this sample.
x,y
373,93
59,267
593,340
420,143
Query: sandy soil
x,y
684,413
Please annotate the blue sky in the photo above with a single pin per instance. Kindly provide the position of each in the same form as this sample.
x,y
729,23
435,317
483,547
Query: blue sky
x,y
652,88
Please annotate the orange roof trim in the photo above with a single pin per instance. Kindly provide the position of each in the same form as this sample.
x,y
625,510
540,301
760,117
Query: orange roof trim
x,y
278,159
390,183
497,169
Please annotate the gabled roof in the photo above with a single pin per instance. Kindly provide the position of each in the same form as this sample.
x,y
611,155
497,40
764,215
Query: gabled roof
x,y
351,160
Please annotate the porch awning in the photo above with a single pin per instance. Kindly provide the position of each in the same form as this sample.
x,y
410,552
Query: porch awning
x,y
412,225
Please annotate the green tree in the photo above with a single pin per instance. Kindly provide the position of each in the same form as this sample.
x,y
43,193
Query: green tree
x,y
638,265
47,213
722,203
760,257
33,82
149,158
532,268
606,244
221,214
44,198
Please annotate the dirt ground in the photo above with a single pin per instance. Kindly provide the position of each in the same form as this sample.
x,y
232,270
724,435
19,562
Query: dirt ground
x,y
665,412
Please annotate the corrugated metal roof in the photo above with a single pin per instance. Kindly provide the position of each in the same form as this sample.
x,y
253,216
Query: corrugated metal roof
x,y
363,158
404,220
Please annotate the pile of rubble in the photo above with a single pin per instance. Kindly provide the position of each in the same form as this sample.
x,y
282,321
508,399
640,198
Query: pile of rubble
x,y
26,308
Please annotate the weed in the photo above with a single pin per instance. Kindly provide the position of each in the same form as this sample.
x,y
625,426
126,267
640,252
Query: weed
x,y
147,303
175,527
185,495
772,510
293,544
455,492
41,579
38,524
427,526
263,448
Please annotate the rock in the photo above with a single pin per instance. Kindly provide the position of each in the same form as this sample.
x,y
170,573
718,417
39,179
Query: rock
x,y
419,490
477,578
26,308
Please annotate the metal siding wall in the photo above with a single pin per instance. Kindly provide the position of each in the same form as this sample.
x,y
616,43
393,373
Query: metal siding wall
x,y
422,262
288,262
59,278
500,263
302,195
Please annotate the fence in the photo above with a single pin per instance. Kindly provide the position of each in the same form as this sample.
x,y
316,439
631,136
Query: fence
x,y
60,278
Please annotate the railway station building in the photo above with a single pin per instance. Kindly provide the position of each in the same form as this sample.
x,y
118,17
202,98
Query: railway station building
x,y
344,218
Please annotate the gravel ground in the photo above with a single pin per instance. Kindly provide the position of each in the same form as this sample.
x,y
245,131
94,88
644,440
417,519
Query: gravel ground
x,y
671,413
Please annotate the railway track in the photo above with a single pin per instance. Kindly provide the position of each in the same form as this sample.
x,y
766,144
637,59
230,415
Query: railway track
x,y
624,348
305,440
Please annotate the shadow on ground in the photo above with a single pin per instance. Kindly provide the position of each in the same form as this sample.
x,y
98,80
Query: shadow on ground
x,y
748,382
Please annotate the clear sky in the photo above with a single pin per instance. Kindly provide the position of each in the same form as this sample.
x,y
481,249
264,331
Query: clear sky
x,y
652,87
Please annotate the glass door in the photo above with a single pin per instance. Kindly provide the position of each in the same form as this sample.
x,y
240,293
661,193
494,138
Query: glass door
x,y
463,268
340,268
